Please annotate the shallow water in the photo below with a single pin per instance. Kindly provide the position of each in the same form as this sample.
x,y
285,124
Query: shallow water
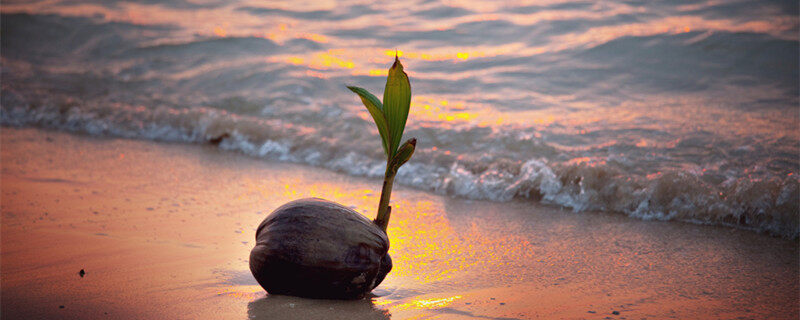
x,y
685,111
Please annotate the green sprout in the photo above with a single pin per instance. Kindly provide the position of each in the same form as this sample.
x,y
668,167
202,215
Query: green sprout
x,y
390,117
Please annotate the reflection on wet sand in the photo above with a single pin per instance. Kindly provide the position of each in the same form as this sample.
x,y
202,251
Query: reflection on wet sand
x,y
430,250
286,307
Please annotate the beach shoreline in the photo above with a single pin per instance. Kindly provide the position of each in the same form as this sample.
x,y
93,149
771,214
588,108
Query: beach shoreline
x,y
163,230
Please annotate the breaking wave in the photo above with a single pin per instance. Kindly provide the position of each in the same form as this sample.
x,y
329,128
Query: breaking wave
x,y
662,111
762,204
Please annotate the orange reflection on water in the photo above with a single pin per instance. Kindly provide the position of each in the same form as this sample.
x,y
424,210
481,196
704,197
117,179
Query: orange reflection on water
x,y
314,37
668,25
247,292
295,60
219,31
332,59
589,161
315,74
452,113
379,72
427,249
424,236
328,60
420,304
435,56
432,109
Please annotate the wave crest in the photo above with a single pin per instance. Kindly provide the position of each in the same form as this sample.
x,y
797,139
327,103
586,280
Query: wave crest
x,y
763,204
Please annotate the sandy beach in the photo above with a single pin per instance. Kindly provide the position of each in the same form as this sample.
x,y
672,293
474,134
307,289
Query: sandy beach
x,y
163,231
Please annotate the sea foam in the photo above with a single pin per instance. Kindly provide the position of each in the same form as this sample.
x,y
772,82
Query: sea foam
x,y
763,204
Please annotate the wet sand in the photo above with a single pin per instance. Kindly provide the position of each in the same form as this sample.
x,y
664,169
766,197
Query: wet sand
x,y
164,231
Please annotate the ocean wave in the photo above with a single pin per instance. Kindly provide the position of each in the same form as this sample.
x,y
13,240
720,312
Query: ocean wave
x,y
766,203
657,111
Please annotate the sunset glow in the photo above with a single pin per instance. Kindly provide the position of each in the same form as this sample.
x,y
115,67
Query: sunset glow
x,y
561,159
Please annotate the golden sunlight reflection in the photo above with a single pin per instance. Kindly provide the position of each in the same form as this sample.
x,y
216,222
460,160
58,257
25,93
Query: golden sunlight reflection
x,y
379,72
425,247
426,242
319,61
219,31
428,108
438,56
296,60
419,304
452,113
281,33
246,292
432,111
331,60
314,37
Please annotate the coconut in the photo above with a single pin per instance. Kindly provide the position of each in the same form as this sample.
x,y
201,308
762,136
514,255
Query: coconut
x,y
316,248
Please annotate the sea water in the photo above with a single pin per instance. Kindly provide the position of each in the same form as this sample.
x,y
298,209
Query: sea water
x,y
684,111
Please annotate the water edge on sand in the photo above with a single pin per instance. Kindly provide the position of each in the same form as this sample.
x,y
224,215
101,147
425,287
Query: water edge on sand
x,y
164,231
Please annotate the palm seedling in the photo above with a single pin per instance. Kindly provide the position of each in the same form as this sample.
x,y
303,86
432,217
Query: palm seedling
x,y
321,249
390,118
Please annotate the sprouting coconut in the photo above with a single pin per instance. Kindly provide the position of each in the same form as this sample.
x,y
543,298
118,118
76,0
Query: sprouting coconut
x,y
320,249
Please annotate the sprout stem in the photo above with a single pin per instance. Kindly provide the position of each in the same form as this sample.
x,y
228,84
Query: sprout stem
x,y
396,160
384,211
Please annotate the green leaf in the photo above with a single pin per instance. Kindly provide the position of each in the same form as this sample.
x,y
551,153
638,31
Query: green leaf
x,y
396,102
404,153
375,109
